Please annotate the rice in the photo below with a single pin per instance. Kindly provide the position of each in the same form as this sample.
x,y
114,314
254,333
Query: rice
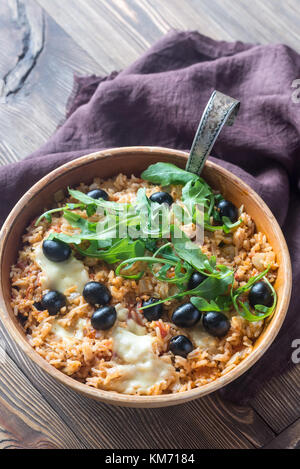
x,y
70,344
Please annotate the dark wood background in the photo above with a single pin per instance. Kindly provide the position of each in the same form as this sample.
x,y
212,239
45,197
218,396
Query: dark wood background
x,y
42,43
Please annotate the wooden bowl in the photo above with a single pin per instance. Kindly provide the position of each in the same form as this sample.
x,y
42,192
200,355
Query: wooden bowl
x,y
130,160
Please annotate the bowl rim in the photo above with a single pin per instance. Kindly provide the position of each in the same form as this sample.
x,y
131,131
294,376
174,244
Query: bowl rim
x,y
161,400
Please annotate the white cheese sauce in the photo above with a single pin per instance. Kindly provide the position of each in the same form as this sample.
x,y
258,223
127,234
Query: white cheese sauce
x,y
61,275
142,369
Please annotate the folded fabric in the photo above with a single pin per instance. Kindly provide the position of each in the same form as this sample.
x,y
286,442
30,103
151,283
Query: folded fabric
x,y
158,101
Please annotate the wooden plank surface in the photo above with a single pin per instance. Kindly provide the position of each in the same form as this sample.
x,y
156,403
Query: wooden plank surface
x,y
42,44
99,36
205,423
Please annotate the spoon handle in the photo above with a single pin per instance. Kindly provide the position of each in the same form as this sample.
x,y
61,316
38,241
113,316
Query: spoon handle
x,y
220,110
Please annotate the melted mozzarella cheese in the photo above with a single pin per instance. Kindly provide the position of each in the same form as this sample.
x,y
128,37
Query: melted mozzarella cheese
x,y
202,339
142,369
61,332
122,312
135,328
61,275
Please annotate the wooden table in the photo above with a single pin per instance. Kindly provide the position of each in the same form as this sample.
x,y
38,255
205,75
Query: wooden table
x,y
42,44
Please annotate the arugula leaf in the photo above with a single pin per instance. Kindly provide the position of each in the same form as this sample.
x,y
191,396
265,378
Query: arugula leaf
x,y
220,303
150,244
77,221
197,190
180,274
224,302
182,213
110,228
91,209
74,239
192,254
102,242
166,252
210,289
251,282
149,259
219,278
227,226
154,217
166,174
198,193
198,197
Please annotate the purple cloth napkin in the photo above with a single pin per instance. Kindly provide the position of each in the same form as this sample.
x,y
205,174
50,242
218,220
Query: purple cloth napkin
x,y
158,101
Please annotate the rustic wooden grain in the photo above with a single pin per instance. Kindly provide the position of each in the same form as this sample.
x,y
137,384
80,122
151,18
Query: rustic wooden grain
x,y
33,100
117,29
205,423
256,21
133,160
99,36
26,419
288,439
30,23
121,29
16,434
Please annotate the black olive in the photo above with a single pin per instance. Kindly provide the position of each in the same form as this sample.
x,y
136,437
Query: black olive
x,y
152,313
98,194
180,345
162,198
195,279
96,293
227,209
260,294
55,250
216,323
104,318
186,315
53,301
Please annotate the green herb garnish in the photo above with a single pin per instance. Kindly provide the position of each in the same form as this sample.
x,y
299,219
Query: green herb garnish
x,y
121,249
48,215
